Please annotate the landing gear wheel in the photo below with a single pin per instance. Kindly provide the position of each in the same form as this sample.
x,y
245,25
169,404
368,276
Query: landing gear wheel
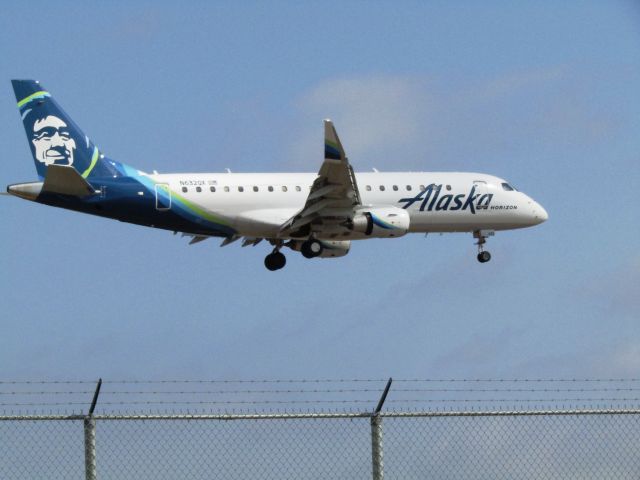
x,y
484,257
275,261
311,248
481,236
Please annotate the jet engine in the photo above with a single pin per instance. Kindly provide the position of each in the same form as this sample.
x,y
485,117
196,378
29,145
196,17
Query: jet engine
x,y
380,222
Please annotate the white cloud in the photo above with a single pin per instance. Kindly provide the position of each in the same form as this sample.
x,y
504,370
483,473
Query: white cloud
x,y
510,83
374,116
424,123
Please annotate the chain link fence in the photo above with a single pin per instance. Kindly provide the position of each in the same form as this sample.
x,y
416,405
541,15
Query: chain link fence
x,y
567,444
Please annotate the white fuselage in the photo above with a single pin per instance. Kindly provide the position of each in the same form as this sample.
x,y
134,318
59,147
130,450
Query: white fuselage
x,y
257,204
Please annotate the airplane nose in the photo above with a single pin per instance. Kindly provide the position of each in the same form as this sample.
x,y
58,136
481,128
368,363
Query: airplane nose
x,y
539,213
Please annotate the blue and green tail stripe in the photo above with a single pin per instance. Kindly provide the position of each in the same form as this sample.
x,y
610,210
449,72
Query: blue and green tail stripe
x,y
34,96
180,205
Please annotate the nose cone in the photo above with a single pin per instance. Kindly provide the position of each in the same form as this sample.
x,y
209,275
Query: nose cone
x,y
540,215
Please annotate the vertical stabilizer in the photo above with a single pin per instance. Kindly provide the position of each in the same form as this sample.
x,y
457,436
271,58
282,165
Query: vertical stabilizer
x,y
54,138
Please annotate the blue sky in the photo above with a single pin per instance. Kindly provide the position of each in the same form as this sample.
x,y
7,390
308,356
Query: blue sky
x,y
544,94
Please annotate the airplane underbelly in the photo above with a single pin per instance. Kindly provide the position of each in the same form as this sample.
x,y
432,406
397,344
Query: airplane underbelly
x,y
262,222
462,221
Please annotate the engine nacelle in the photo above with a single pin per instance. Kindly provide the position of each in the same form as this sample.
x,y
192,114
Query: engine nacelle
x,y
330,248
381,222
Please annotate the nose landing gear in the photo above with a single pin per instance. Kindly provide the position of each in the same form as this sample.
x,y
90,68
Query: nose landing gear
x,y
481,235
484,257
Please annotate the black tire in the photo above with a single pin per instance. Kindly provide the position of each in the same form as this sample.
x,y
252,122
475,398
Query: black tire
x,y
270,263
484,257
275,261
311,249
281,260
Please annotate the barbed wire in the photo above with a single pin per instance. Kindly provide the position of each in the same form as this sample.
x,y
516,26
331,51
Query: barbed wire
x,y
343,380
518,380
322,393
327,391
45,382
325,401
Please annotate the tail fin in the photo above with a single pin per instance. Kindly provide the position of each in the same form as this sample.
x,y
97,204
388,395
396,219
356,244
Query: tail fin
x,y
54,138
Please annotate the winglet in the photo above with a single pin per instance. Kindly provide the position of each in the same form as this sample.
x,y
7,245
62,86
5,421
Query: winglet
x,y
332,147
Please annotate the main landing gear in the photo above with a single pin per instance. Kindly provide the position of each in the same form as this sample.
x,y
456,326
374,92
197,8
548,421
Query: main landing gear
x,y
311,248
481,235
275,260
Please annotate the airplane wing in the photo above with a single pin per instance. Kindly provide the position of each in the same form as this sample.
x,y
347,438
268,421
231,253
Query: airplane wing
x,y
333,196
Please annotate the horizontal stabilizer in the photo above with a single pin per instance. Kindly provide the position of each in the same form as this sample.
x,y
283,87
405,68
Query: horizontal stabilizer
x,y
66,180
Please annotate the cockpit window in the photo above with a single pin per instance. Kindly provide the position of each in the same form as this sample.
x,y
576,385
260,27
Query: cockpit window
x,y
508,188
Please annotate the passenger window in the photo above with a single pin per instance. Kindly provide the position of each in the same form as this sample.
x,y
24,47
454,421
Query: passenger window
x,y
448,187
213,189
368,187
422,188
298,189
270,188
198,189
185,189
241,189
382,188
408,188
284,189
255,189
395,188
226,189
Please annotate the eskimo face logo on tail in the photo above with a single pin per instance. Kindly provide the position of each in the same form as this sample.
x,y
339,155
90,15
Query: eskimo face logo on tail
x,y
52,141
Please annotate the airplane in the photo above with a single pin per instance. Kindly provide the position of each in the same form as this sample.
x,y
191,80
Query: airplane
x,y
318,215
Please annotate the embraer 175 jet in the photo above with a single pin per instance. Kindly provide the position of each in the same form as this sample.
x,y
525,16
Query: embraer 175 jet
x,y
315,214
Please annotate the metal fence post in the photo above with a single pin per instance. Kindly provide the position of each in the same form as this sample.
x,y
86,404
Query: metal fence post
x,y
90,448
377,460
90,438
